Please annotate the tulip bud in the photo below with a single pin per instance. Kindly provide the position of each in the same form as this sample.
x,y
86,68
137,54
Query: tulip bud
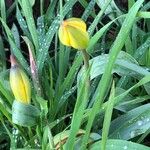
x,y
72,32
19,83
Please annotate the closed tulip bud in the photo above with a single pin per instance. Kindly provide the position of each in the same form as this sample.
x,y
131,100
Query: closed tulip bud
x,y
72,32
19,83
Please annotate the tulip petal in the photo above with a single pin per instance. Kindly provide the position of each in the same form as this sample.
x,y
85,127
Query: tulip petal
x,y
19,83
26,86
76,23
63,36
78,39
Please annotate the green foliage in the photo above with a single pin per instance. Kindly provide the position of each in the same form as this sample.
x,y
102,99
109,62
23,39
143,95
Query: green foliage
x,y
66,112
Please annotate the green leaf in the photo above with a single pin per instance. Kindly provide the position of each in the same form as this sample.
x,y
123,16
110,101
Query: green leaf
x,y
98,17
132,124
107,117
125,65
22,23
27,9
119,145
3,10
16,35
88,9
24,115
15,49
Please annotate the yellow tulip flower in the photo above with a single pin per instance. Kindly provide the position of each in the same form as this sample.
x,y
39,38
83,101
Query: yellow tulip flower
x,y
19,83
72,32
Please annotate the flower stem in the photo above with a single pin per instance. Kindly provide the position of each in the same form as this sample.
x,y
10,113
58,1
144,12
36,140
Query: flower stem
x,y
86,59
86,64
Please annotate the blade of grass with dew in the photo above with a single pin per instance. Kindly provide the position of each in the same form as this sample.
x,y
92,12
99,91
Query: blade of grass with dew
x,y
85,4
5,113
119,145
136,100
71,75
6,94
94,39
41,33
27,9
134,35
88,9
3,10
129,46
125,65
117,46
131,124
64,99
22,23
14,49
112,10
62,67
107,117
16,35
119,99
50,11
142,49
98,17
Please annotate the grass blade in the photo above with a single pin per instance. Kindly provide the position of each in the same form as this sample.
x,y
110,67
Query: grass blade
x,y
107,117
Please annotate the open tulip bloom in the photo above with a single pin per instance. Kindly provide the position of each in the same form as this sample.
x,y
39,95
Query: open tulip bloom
x,y
72,32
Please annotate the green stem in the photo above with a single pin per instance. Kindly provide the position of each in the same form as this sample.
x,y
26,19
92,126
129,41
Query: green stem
x,y
86,59
86,64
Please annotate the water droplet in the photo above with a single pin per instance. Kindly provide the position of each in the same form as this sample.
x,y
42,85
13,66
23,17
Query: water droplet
x,y
140,123
125,147
112,145
147,119
32,71
132,134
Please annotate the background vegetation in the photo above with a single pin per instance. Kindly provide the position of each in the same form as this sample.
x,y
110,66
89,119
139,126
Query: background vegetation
x,y
117,108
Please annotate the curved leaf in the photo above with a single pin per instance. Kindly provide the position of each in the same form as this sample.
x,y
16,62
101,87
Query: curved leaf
x,y
119,145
